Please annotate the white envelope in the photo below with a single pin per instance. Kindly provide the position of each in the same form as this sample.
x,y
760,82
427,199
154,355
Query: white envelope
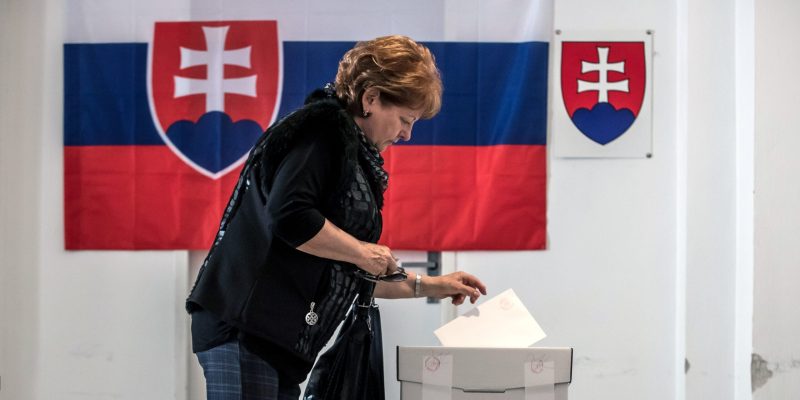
x,y
502,321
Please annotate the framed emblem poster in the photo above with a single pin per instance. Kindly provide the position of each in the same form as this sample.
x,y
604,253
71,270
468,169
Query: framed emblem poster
x,y
603,92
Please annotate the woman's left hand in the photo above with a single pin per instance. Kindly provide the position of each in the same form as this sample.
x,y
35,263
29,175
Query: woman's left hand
x,y
457,285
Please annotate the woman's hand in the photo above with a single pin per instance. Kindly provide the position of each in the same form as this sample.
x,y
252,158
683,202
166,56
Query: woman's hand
x,y
335,244
377,259
457,285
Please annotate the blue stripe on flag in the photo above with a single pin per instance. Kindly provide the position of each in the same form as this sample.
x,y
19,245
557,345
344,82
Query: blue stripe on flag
x,y
105,95
495,93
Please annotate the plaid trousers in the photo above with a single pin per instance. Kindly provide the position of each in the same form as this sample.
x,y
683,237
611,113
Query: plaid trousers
x,y
233,373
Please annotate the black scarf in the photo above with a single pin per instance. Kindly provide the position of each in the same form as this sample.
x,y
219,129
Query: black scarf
x,y
370,158
370,155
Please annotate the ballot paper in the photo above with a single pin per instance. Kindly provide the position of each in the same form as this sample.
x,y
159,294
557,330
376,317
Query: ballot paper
x,y
502,321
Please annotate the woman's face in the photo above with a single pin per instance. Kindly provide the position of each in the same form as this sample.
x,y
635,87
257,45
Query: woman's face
x,y
387,123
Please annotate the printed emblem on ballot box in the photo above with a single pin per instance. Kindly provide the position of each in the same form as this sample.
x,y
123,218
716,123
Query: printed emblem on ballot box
x,y
213,88
603,86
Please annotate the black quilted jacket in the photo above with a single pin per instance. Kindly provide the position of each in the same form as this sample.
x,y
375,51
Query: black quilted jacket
x,y
260,284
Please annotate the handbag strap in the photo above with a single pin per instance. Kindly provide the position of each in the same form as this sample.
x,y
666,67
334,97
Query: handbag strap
x,y
365,292
365,305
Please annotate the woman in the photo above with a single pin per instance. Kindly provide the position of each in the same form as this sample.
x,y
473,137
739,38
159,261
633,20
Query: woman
x,y
300,230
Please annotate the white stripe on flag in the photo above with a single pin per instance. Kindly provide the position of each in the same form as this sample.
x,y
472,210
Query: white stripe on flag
x,y
92,21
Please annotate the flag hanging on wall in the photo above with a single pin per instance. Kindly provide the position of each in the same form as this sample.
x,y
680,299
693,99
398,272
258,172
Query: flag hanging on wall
x,y
162,105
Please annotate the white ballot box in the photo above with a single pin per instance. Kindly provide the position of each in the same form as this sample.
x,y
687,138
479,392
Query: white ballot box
x,y
472,373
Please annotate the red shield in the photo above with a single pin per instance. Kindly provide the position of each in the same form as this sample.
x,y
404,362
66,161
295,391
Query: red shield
x,y
213,88
603,86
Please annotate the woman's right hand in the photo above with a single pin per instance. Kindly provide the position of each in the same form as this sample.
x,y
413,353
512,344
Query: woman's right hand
x,y
377,259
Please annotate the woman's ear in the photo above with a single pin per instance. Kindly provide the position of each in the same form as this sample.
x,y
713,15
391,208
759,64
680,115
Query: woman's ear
x,y
369,98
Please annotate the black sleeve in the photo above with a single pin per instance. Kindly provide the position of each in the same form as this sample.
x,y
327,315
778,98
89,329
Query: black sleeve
x,y
302,182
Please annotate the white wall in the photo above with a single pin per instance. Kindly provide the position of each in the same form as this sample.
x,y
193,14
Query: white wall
x,y
20,167
777,196
711,189
607,284
75,325
641,269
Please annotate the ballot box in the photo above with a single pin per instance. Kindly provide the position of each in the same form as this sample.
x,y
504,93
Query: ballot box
x,y
472,373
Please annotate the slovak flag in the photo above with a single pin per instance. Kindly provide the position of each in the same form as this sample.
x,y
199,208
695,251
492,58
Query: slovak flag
x,y
157,125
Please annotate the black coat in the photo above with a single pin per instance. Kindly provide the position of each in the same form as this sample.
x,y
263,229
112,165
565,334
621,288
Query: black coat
x,y
262,285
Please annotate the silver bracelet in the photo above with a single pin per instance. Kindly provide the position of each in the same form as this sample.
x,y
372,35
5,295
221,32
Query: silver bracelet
x,y
417,285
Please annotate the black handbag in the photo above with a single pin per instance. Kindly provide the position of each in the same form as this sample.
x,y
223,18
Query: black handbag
x,y
352,368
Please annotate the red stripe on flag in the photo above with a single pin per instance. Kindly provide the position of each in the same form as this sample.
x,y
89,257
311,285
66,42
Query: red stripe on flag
x,y
439,198
139,197
466,198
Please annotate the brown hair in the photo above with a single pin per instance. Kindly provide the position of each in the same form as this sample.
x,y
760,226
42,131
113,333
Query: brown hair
x,y
403,71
